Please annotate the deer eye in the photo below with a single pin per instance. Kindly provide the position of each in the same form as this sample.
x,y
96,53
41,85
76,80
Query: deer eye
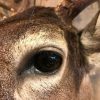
x,y
47,61
42,62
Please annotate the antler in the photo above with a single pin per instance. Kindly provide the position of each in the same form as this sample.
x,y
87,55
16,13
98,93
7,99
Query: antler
x,y
71,8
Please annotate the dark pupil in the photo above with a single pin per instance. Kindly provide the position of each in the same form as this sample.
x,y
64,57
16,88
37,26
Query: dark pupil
x,y
47,61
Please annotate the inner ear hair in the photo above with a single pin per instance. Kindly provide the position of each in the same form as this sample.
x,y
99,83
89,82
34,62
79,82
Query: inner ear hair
x,y
91,37
91,27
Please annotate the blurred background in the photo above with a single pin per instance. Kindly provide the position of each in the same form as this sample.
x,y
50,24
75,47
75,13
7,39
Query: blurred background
x,y
11,7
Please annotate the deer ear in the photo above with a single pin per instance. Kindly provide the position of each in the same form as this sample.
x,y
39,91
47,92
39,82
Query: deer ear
x,y
87,17
90,38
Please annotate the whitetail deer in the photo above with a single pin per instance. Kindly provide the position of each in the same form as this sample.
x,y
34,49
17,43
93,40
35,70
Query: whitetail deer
x,y
43,56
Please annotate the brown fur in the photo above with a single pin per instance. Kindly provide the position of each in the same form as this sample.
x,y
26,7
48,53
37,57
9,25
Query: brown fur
x,y
74,83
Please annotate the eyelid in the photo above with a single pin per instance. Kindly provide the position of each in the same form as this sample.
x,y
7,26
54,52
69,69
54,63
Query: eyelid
x,y
50,48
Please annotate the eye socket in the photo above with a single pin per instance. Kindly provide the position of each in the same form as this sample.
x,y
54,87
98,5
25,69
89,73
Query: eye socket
x,y
42,62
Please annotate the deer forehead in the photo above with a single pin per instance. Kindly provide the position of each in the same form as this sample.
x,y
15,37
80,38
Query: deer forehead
x,y
44,36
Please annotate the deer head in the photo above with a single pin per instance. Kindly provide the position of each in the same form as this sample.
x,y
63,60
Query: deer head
x,y
43,56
